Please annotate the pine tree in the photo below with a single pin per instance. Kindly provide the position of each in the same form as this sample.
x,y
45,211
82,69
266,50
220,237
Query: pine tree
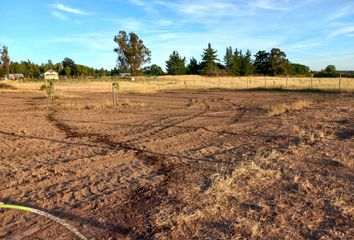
x,y
236,63
209,59
228,59
175,65
247,66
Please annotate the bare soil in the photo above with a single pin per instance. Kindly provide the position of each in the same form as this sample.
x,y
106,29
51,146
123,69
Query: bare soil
x,y
179,165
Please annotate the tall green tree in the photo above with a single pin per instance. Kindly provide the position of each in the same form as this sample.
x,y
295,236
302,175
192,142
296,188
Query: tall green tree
x,y
131,52
194,67
262,63
153,70
175,65
329,71
67,71
279,63
1,69
209,61
247,65
69,63
228,59
236,64
5,59
299,70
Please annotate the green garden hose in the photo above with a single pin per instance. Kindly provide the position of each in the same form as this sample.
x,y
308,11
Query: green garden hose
x,y
47,215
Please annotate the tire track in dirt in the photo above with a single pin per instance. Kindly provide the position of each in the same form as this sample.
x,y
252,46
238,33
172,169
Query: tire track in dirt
x,y
154,125
106,139
158,129
240,111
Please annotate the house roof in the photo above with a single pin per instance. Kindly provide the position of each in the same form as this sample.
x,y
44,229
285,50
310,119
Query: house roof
x,y
50,72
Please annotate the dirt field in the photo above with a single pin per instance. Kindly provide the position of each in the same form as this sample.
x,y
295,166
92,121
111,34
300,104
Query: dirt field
x,y
179,165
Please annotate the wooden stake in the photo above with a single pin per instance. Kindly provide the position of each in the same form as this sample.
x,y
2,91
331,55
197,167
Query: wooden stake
x,y
340,82
114,95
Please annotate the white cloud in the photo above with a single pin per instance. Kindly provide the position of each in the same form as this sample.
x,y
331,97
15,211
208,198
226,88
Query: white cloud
x,y
346,30
269,5
63,8
59,15
307,44
138,2
342,12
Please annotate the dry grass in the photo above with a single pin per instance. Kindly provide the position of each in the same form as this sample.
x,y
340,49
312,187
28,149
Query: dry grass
x,y
79,106
278,109
150,85
7,86
346,160
75,106
263,198
63,95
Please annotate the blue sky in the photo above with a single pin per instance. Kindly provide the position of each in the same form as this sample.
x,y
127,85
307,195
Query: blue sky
x,y
312,32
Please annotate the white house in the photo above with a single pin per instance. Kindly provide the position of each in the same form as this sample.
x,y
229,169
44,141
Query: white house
x,y
50,74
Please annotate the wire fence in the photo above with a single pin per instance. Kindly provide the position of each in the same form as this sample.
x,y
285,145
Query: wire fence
x,y
202,82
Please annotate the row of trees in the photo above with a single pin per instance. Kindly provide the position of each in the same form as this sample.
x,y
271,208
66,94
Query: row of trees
x,y
132,54
32,70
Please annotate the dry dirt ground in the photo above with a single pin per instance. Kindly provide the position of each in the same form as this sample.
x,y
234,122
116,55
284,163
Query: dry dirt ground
x,y
178,165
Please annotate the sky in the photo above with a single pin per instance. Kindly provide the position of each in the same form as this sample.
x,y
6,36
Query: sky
x,y
311,32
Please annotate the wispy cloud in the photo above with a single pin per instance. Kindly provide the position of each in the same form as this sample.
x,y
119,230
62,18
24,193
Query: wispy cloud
x,y
206,8
345,30
59,15
342,12
270,5
67,9
307,44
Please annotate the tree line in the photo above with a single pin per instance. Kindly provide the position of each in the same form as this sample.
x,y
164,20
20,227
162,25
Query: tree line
x,y
133,54
32,70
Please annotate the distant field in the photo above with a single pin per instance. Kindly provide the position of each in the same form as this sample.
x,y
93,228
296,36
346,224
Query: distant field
x,y
145,84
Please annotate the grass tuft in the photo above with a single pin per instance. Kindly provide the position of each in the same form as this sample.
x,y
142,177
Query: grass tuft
x,y
278,109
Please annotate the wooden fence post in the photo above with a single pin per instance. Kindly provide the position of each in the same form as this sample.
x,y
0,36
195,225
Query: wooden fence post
x,y
265,81
287,79
340,82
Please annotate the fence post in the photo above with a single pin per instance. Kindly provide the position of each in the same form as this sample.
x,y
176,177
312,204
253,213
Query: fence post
x,y
287,79
114,95
265,81
311,81
340,82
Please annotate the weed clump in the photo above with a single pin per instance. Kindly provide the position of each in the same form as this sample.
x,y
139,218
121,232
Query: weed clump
x,y
278,109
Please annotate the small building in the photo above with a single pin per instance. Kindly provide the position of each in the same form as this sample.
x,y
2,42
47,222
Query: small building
x,y
127,76
51,74
15,76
